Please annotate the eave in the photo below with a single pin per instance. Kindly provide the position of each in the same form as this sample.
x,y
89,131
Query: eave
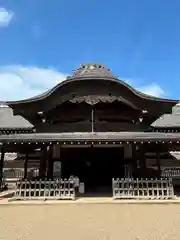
x,y
117,137
16,130
74,79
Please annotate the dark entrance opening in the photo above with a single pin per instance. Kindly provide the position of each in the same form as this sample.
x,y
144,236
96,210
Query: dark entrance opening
x,y
95,166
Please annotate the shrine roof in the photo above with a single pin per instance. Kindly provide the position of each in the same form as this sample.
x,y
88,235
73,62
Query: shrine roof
x,y
10,156
9,121
169,120
91,71
175,155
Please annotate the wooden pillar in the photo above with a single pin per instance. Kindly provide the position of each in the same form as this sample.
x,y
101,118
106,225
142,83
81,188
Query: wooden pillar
x,y
92,119
142,160
50,162
158,160
134,158
56,160
2,165
43,160
26,165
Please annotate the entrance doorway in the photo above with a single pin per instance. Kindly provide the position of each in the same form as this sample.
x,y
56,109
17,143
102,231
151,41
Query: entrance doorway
x,y
95,166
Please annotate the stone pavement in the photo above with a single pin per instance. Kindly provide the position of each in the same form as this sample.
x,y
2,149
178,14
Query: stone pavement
x,y
87,200
90,222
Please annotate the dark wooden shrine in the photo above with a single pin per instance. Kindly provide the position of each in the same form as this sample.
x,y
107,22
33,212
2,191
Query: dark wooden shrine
x,y
96,125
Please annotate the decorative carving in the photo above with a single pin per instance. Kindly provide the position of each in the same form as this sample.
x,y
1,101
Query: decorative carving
x,y
94,99
92,69
91,100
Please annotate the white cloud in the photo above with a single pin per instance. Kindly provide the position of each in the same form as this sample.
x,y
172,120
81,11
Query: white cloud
x,y
5,17
19,82
153,90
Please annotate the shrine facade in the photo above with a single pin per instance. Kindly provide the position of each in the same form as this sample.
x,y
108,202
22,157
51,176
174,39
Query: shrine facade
x,y
92,126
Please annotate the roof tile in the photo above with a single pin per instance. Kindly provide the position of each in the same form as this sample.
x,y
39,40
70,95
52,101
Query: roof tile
x,y
9,121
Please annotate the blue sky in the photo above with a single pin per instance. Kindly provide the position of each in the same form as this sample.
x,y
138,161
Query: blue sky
x,y
43,41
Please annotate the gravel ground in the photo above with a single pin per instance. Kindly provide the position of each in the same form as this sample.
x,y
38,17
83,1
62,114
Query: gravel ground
x,y
90,221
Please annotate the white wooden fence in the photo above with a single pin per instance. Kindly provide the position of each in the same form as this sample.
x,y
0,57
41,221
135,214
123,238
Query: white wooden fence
x,y
3,184
129,188
170,172
18,173
44,189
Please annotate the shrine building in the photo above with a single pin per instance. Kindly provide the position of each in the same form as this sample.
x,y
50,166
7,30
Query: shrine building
x,y
92,126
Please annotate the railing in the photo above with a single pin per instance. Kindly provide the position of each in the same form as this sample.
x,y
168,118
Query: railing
x,y
18,173
170,172
129,188
10,173
3,184
44,190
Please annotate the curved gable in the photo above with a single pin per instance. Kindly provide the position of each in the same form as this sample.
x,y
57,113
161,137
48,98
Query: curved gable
x,y
93,79
75,79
